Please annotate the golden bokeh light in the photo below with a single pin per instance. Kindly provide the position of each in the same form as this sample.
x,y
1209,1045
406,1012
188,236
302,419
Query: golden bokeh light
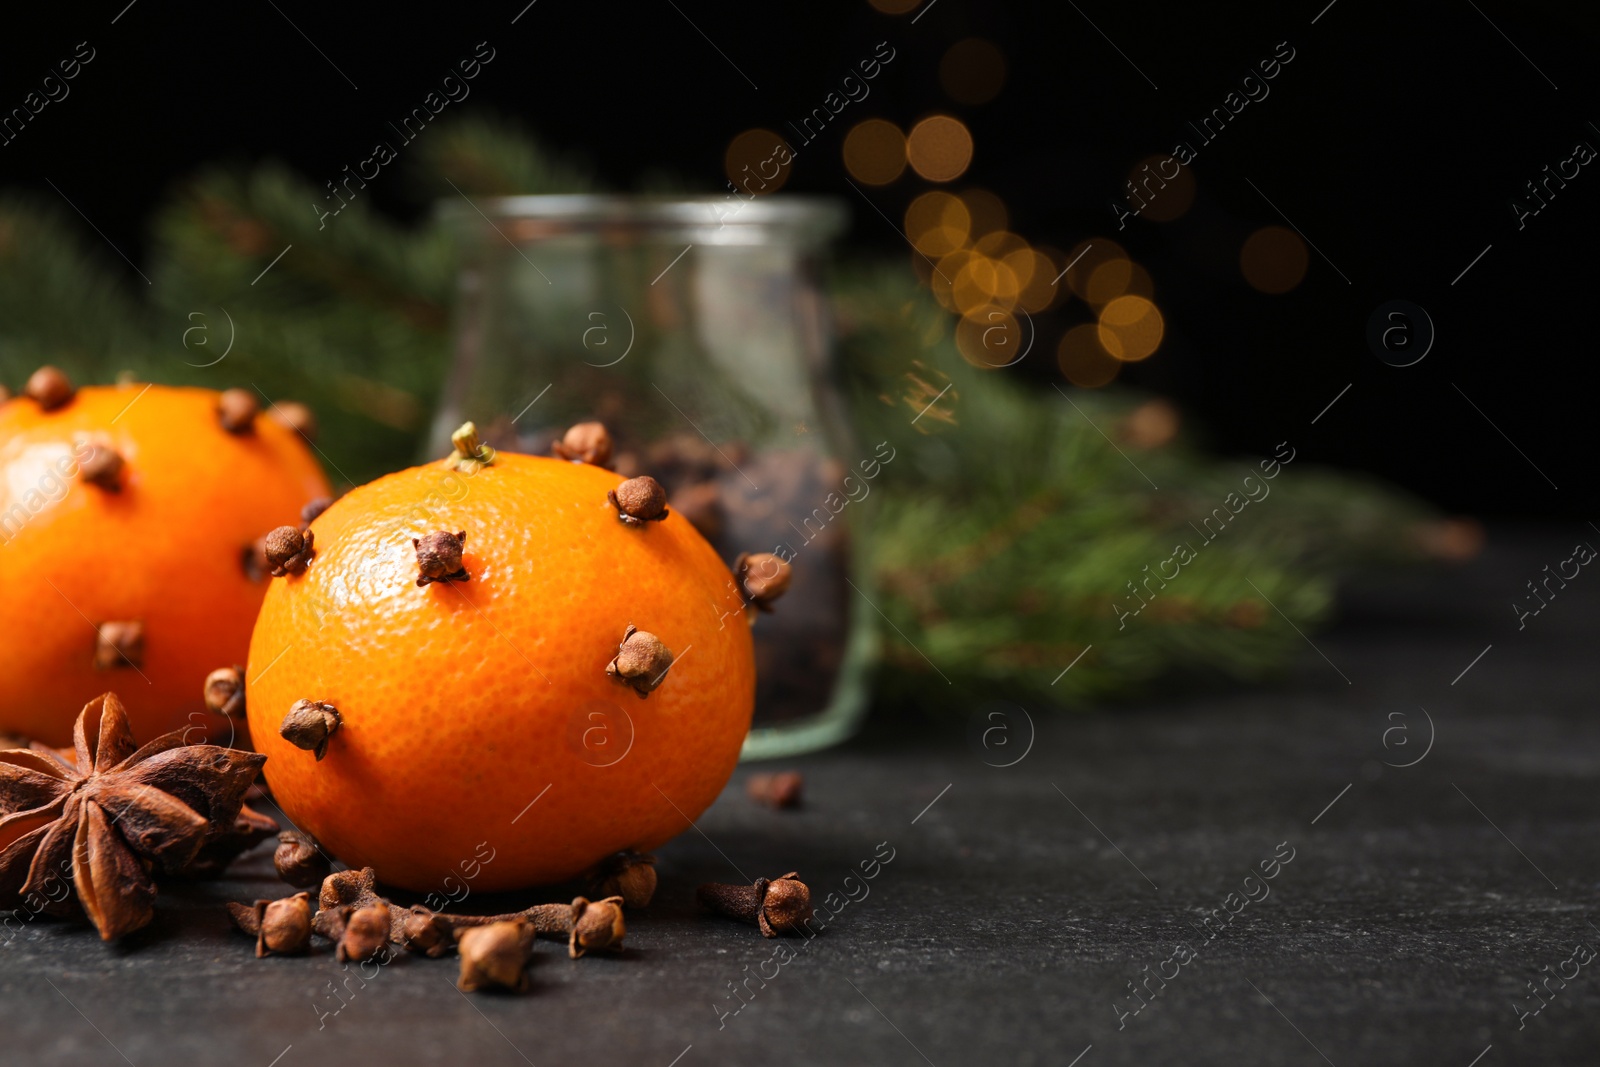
x,y
987,211
942,283
1085,257
938,223
1040,290
1082,359
973,71
940,148
1273,259
1131,328
1164,188
990,337
758,162
998,244
1023,263
875,152
1117,277
982,281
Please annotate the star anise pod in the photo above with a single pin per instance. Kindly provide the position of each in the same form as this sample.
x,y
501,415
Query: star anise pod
x,y
106,823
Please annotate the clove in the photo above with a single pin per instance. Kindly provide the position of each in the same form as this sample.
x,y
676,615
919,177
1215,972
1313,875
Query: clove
x,y
298,860
639,500
310,724
586,925
495,955
224,692
289,550
280,927
237,410
629,875
781,789
778,905
587,442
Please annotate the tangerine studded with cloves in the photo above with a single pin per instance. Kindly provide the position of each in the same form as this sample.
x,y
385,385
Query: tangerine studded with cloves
x,y
125,513
477,717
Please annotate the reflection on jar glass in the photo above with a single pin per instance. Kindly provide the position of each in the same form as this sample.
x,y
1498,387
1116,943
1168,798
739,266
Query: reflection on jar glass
x,y
698,332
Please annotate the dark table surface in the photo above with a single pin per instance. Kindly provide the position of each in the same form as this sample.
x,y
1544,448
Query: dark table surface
x,y
1024,904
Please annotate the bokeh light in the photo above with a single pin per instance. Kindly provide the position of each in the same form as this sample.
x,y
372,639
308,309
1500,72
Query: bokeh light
x,y
1082,359
942,282
1164,198
1131,328
997,244
1273,259
875,152
991,337
938,223
987,211
1085,257
1114,278
758,162
981,281
972,71
940,148
1040,290
1151,425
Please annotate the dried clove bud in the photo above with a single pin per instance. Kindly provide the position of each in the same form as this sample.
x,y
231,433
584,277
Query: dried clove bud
x,y
701,504
366,933
588,925
309,725
331,919
298,860
639,500
629,875
471,454
120,644
295,416
778,905
778,790
102,468
587,442
426,931
642,661
237,410
350,888
309,513
285,926
495,955
762,578
289,550
224,691
1453,540
253,560
585,925
596,925
280,927
50,388
439,557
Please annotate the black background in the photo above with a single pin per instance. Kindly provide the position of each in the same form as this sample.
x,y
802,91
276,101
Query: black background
x,y
1395,142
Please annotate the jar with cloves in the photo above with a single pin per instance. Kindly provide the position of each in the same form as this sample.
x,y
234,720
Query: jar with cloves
x,y
688,341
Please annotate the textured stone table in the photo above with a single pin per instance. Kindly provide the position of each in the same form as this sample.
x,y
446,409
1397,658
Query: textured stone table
x,y
1022,901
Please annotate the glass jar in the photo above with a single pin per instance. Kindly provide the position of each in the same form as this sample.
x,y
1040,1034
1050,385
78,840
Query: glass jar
x,y
697,330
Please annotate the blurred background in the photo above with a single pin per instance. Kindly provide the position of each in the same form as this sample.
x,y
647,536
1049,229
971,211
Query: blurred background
x,y
1008,173
1395,140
